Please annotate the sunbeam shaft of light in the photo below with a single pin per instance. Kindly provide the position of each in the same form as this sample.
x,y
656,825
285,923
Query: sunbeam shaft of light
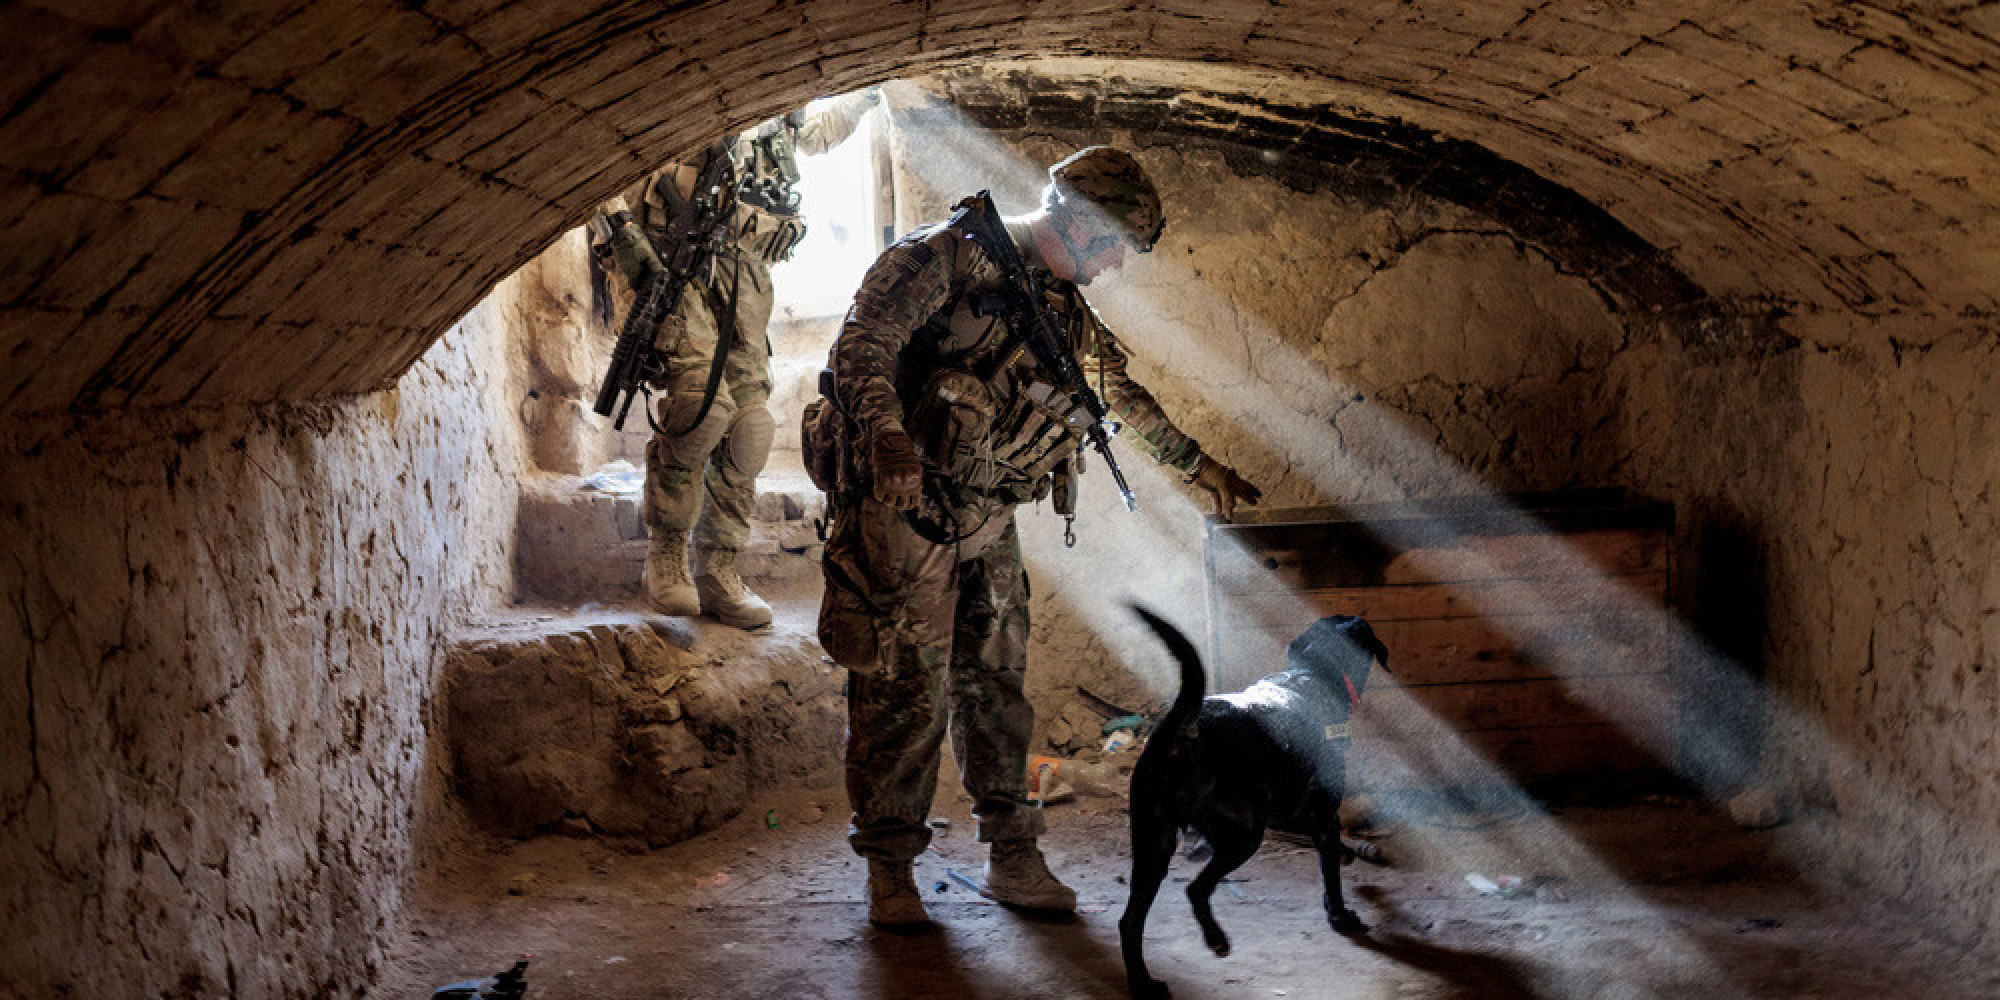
x,y
1125,555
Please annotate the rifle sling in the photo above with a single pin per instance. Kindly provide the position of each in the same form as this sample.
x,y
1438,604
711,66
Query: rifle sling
x,y
725,340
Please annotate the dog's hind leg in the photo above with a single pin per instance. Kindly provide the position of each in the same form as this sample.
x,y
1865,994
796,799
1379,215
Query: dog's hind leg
x,y
1152,851
1231,850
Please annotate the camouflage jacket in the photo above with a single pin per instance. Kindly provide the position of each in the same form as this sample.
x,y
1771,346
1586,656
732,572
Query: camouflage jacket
x,y
756,233
913,315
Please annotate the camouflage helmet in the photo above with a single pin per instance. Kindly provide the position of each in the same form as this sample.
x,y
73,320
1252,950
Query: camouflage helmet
x,y
1112,180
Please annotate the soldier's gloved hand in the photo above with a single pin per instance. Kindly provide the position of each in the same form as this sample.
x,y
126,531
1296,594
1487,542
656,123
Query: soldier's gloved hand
x,y
898,473
636,258
1224,485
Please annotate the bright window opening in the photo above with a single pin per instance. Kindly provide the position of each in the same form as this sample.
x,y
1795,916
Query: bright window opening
x,y
838,195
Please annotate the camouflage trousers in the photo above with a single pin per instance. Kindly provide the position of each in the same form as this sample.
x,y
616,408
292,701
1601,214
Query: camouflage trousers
x,y
934,637
718,460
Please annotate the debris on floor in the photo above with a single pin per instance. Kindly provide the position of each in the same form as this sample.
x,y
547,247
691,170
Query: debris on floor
x,y
1045,784
965,880
1132,720
618,478
1661,883
509,985
1545,888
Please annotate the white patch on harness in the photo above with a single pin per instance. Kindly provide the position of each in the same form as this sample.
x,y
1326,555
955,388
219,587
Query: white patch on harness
x,y
1337,731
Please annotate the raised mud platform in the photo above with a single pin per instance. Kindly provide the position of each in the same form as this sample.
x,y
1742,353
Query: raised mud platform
x,y
625,724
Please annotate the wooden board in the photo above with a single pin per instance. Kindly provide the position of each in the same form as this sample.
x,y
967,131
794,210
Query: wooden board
x,y
1527,642
1638,703
1496,756
1464,599
1328,559
1459,650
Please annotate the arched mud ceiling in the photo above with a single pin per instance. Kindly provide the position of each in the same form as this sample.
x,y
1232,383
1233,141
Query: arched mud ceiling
x,y
208,205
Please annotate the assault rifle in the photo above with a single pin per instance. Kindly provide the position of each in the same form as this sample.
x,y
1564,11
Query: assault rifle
x,y
689,255
1025,307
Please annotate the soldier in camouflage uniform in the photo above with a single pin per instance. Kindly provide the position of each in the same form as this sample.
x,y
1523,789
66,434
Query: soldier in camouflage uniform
x,y
941,427
721,455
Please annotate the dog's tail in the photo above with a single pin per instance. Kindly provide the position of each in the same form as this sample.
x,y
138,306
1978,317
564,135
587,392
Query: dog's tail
x,y
1194,682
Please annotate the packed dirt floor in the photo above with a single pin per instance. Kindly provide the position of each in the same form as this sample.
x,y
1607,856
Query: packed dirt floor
x,y
1660,897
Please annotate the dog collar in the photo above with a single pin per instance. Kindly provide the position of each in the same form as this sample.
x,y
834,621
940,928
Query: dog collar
x,y
1337,731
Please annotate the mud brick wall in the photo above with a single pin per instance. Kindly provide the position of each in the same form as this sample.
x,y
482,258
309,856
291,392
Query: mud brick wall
x,y
219,653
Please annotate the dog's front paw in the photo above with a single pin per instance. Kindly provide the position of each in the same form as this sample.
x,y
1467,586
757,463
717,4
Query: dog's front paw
x,y
1345,922
1147,989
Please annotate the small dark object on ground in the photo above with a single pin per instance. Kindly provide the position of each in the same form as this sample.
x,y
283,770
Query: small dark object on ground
x,y
509,985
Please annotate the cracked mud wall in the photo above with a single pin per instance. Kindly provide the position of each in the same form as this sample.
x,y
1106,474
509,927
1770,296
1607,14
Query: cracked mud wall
x,y
1865,478
217,667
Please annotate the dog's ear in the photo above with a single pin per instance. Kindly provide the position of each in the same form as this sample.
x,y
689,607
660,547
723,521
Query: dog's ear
x,y
1377,650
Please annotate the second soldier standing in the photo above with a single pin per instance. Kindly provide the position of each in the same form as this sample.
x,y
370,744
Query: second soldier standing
x,y
713,429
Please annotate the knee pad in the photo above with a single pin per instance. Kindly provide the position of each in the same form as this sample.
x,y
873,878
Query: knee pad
x,y
748,445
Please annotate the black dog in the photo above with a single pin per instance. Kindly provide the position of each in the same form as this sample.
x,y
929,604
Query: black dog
x,y
1229,766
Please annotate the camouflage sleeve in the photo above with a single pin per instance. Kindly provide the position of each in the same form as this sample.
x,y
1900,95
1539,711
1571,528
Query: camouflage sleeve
x,y
831,127
906,285
1104,361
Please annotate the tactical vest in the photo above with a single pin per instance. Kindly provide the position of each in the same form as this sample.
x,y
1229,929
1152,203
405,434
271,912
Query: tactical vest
x,y
977,406
767,198
764,223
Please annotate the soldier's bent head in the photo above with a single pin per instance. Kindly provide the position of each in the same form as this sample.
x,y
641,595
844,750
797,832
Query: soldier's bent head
x,y
1107,189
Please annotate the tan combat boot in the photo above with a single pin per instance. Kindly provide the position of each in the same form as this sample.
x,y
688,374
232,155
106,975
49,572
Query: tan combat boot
x,y
893,899
723,593
1017,875
669,588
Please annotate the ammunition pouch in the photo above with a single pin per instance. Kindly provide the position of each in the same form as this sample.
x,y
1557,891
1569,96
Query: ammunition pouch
x,y
819,445
850,623
823,441
768,235
1037,432
984,448
950,427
